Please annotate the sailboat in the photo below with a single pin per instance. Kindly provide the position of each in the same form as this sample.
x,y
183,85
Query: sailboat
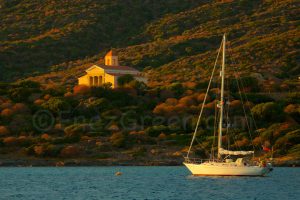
x,y
223,165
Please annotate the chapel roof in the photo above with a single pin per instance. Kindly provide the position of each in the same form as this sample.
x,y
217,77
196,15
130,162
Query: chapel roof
x,y
112,52
106,67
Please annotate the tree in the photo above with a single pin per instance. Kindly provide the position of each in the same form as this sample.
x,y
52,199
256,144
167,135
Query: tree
x,y
56,104
122,80
117,139
29,84
99,105
77,129
177,88
154,131
269,112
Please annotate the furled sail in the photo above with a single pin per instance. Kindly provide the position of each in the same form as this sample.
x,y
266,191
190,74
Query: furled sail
x,y
227,152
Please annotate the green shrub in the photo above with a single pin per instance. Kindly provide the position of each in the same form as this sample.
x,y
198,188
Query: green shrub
x,y
122,80
154,131
56,104
118,139
77,129
267,112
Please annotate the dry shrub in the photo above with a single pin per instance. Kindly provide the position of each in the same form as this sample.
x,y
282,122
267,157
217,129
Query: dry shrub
x,y
235,104
117,139
190,84
285,126
4,131
70,151
39,101
9,141
24,140
164,109
58,127
189,92
215,90
7,112
20,108
171,101
257,141
159,109
162,136
85,138
292,108
187,100
47,97
68,94
200,98
113,127
211,105
7,104
137,133
242,143
45,136
180,108
81,89
38,150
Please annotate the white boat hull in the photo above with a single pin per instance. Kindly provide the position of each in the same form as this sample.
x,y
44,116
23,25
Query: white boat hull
x,y
224,169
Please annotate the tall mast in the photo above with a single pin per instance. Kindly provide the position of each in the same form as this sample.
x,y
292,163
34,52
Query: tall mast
x,y
221,104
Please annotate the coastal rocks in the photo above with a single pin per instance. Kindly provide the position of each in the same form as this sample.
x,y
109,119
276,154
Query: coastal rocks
x,y
59,164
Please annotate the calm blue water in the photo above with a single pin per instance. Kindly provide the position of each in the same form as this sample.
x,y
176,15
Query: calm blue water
x,y
142,183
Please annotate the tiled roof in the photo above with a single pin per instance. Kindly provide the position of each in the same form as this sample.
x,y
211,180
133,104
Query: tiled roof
x,y
106,67
120,74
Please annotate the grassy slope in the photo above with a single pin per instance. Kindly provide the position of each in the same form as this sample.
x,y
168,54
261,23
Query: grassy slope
x,y
36,35
170,37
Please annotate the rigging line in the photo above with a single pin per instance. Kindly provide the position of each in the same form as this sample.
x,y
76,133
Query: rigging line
x,y
251,114
215,127
246,98
201,111
202,147
247,122
234,139
228,121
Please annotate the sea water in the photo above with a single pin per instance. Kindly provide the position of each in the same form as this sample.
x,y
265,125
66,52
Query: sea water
x,y
142,183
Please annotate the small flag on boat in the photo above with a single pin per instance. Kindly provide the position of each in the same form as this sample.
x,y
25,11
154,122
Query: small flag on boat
x,y
266,148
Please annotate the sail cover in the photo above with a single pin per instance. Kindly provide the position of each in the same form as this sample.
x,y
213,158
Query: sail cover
x,y
227,152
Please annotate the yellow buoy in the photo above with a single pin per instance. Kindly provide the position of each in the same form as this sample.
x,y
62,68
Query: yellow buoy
x,y
118,173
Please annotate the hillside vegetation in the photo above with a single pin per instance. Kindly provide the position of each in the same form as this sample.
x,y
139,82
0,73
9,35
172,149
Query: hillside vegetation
x,y
170,37
46,45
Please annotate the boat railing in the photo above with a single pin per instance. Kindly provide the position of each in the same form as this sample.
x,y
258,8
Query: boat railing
x,y
195,160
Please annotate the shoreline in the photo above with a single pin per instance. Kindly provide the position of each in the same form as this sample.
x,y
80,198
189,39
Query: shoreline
x,y
107,163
